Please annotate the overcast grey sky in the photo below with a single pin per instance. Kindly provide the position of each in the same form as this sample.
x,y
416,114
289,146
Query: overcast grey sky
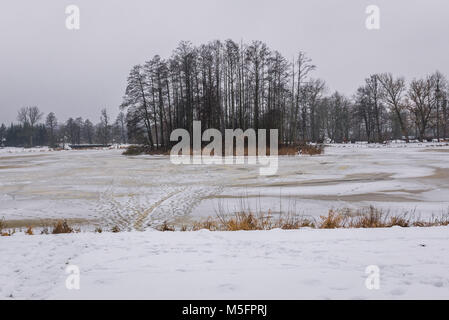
x,y
76,73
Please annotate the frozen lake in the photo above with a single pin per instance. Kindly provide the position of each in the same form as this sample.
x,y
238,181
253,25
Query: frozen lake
x,y
106,188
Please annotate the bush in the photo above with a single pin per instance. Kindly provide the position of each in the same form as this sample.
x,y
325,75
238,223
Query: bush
x,y
29,231
61,227
6,233
370,218
332,220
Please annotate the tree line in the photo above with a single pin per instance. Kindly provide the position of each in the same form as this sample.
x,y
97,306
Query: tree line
x,y
248,85
33,129
237,85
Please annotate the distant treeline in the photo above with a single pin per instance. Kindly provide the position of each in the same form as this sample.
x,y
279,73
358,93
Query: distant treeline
x,y
237,85
33,129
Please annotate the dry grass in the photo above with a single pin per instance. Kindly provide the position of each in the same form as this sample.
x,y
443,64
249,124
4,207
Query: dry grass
x,y
39,223
432,222
247,221
166,227
115,229
5,233
29,231
332,220
61,226
335,219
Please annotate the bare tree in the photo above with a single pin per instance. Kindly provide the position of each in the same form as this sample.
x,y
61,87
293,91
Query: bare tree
x,y
312,92
51,122
88,131
440,116
120,124
393,94
304,67
422,102
105,127
257,55
29,117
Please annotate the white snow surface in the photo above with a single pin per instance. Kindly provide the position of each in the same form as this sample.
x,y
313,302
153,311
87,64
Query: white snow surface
x,y
276,264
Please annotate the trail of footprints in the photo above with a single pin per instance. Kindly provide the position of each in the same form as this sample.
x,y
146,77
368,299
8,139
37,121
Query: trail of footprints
x,y
145,206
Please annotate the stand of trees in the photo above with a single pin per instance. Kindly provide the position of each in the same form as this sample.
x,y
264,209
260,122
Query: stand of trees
x,y
30,132
236,85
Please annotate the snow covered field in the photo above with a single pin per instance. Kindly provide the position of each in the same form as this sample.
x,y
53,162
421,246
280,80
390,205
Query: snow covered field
x,y
105,188
276,264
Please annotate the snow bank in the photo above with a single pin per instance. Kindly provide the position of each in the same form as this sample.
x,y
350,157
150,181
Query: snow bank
x,y
311,264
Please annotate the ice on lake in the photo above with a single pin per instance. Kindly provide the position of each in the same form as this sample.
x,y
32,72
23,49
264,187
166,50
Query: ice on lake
x,y
107,188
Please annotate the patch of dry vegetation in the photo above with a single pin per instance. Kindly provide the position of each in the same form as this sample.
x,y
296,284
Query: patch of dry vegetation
x,y
166,227
61,226
115,229
283,150
5,233
335,219
311,149
247,220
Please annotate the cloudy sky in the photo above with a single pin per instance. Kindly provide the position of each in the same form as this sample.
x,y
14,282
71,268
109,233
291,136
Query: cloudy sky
x,y
76,73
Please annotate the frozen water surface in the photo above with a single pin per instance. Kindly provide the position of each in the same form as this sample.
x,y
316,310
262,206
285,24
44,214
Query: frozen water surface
x,y
107,188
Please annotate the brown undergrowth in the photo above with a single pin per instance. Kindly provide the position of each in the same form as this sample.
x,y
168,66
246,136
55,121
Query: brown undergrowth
x,y
248,220
283,150
335,219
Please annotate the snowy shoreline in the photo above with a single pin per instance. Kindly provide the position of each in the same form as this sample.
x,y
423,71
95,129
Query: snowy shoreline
x,y
276,264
